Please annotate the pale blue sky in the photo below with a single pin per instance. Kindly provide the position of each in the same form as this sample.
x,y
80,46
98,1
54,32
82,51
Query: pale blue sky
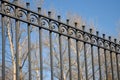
x,y
104,13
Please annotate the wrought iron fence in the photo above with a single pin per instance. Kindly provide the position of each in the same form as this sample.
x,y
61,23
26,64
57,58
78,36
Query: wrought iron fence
x,y
88,56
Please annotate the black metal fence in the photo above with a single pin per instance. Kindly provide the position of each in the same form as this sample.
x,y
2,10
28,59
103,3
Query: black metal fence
x,y
65,52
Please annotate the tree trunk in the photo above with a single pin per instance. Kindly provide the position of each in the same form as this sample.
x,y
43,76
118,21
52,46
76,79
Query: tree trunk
x,y
11,49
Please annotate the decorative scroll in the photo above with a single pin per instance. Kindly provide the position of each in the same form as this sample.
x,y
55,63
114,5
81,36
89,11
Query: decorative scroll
x,y
54,25
93,40
100,42
63,29
33,18
106,44
8,9
22,14
112,46
71,32
86,37
79,34
118,49
44,22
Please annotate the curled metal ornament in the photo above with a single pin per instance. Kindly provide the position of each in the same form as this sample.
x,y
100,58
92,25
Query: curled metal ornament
x,y
93,39
79,34
54,25
8,9
44,22
100,42
22,14
63,29
86,37
118,48
34,18
112,46
106,44
71,31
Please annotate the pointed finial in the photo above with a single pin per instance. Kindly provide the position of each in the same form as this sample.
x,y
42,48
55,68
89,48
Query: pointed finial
x,y
39,10
83,27
103,35
115,40
90,30
59,17
97,33
28,5
76,24
67,21
49,14
109,38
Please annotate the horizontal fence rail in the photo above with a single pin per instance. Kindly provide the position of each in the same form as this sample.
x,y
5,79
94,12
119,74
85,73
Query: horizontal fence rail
x,y
37,47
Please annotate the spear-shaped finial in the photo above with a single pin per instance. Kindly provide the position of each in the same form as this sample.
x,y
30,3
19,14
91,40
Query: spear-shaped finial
x,y
59,18
67,21
28,5
39,10
97,33
49,14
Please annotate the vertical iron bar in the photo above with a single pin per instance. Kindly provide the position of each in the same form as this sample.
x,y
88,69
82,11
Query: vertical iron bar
x,y
92,56
116,54
78,62
40,47
3,49
105,64
51,46
51,56
111,60
77,51
86,72
92,62
41,60
99,59
60,49
61,63
117,66
17,42
69,53
17,50
29,51
85,55
29,42
105,59
3,44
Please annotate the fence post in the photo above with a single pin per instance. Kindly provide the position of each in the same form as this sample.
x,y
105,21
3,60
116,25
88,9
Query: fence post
x,y
60,49
29,41
3,41
99,56
17,41
51,45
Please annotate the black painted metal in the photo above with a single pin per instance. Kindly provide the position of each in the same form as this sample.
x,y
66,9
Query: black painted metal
x,y
17,41
77,51
51,46
60,49
40,46
87,38
3,45
29,42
